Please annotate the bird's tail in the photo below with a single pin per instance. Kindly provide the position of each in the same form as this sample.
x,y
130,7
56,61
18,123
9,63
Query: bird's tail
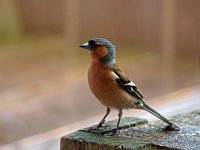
x,y
155,113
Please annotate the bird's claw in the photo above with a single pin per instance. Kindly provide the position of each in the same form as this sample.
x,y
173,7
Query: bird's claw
x,y
99,125
100,128
92,129
172,128
114,131
103,125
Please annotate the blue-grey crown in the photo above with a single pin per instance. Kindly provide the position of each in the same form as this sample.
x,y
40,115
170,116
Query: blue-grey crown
x,y
110,57
104,41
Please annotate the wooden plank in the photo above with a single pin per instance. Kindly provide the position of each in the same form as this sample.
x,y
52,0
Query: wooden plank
x,y
136,134
100,139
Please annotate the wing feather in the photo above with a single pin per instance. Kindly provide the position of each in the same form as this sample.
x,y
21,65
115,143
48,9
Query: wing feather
x,y
126,84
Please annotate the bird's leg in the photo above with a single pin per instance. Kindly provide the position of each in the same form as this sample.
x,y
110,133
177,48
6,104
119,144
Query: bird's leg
x,y
155,113
103,119
119,118
114,131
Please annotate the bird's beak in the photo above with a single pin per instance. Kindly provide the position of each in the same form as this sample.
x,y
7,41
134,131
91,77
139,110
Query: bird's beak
x,y
85,46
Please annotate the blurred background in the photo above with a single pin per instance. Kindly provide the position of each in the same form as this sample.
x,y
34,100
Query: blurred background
x,y
44,92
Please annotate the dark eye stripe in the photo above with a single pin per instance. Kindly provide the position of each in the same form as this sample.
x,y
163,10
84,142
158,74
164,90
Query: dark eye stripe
x,y
93,44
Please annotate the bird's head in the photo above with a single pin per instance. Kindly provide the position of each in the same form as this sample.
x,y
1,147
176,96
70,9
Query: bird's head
x,y
101,49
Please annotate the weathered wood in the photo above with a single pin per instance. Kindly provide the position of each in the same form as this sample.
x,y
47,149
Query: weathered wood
x,y
101,139
138,134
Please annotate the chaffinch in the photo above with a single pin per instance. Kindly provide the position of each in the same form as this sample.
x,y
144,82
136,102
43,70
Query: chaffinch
x,y
111,86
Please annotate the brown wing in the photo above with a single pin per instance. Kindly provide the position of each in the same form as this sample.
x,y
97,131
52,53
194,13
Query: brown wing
x,y
131,88
126,84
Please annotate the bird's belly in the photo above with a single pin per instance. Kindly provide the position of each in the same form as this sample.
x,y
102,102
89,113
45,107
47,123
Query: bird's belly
x,y
109,93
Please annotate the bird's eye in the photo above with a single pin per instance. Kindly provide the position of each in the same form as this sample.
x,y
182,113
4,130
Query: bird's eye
x,y
96,45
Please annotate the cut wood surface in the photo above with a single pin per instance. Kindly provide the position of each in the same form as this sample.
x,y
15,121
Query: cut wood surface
x,y
137,133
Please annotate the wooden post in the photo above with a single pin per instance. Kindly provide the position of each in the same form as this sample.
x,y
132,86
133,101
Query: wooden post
x,y
137,134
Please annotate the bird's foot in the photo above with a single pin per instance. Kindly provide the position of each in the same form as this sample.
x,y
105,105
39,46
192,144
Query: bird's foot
x,y
100,128
100,125
172,128
113,131
91,129
109,132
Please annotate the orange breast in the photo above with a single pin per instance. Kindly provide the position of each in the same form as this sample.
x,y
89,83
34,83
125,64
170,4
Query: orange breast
x,y
105,88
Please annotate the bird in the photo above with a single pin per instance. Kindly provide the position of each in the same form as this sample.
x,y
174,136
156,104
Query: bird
x,y
111,86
